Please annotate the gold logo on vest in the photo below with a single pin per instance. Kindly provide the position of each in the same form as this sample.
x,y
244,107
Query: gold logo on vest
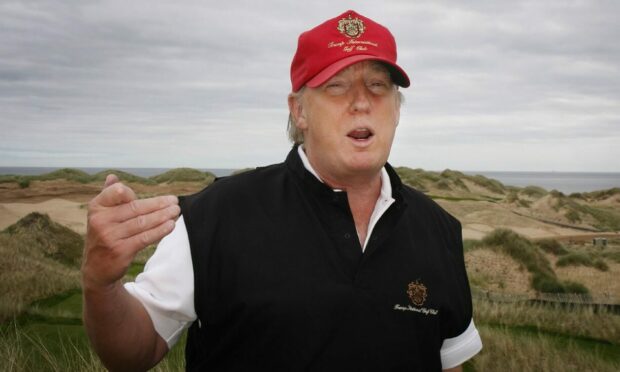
x,y
417,292
351,27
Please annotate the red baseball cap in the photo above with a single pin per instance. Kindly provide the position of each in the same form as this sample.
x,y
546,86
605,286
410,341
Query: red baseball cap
x,y
340,42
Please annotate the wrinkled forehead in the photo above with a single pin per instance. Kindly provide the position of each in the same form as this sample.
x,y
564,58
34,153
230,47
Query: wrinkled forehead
x,y
371,67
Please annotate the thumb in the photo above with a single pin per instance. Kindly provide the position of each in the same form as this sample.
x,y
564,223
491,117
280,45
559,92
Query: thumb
x,y
110,179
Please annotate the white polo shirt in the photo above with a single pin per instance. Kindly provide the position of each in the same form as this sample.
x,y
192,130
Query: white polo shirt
x,y
166,286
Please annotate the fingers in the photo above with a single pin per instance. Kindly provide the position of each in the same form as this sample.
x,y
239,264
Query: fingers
x,y
143,207
138,242
146,222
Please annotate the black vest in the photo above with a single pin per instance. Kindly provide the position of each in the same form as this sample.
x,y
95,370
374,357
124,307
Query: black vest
x,y
281,283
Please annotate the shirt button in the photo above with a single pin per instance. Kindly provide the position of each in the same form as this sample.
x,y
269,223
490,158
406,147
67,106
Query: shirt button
x,y
347,235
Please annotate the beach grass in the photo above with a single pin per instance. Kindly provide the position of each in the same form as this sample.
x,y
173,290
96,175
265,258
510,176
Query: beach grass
x,y
517,336
75,175
530,255
184,175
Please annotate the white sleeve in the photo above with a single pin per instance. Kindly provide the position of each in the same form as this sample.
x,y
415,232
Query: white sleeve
x,y
455,351
166,286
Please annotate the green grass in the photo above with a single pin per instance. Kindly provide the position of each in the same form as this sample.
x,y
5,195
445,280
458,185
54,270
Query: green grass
x,y
51,337
514,349
134,269
521,336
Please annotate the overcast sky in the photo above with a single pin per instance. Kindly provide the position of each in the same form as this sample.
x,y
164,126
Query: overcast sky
x,y
496,85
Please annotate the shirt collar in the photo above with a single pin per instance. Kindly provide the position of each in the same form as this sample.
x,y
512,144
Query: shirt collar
x,y
386,186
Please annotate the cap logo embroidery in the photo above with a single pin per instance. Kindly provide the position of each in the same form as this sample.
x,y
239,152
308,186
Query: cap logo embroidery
x,y
417,293
351,27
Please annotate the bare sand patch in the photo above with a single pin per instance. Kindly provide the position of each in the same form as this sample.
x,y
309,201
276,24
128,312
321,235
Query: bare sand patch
x,y
66,212
63,200
497,272
479,218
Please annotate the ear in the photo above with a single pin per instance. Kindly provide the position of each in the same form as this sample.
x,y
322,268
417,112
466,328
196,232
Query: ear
x,y
399,104
397,116
296,108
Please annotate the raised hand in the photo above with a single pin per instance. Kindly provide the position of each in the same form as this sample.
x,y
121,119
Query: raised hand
x,y
119,226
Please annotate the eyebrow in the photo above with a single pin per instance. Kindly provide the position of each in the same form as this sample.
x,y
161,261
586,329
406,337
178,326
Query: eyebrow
x,y
379,67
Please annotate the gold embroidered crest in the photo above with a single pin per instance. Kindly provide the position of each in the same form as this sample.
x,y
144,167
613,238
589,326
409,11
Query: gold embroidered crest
x,y
417,293
351,27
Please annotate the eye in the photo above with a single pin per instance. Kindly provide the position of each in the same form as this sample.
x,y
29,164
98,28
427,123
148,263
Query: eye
x,y
335,87
378,85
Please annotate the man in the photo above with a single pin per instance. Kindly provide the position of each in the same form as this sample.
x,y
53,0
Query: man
x,y
324,262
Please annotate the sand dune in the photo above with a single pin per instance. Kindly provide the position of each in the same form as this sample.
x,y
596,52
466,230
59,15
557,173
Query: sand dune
x,y
68,213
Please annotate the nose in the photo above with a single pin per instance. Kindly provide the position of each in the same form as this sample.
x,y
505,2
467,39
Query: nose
x,y
360,100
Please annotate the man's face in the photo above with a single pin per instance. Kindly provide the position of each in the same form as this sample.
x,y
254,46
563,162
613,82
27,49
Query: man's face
x,y
349,122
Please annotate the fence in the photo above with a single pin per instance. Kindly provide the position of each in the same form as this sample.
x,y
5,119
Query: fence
x,y
610,303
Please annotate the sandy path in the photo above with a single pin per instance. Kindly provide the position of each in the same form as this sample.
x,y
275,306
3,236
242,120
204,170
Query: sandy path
x,y
68,213
480,218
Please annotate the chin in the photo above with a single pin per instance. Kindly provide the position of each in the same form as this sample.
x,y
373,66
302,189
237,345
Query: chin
x,y
366,165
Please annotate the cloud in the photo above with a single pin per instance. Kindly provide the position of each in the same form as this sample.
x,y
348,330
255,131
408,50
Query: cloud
x,y
114,82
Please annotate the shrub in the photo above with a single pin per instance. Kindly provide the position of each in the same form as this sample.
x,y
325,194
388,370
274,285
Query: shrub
x,y
574,287
603,194
612,255
573,216
581,259
443,185
601,265
534,191
488,183
529,255
512,197
551,246
607,219
68,174
519,248
123,176
557,194
470,244
547,284
184,175
459,183
24,183
575,259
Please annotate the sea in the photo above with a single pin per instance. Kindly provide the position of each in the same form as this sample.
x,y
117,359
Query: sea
x,y
142,172
566,182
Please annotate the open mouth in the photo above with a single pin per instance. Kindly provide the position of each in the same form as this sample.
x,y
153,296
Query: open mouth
x,y
360,134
